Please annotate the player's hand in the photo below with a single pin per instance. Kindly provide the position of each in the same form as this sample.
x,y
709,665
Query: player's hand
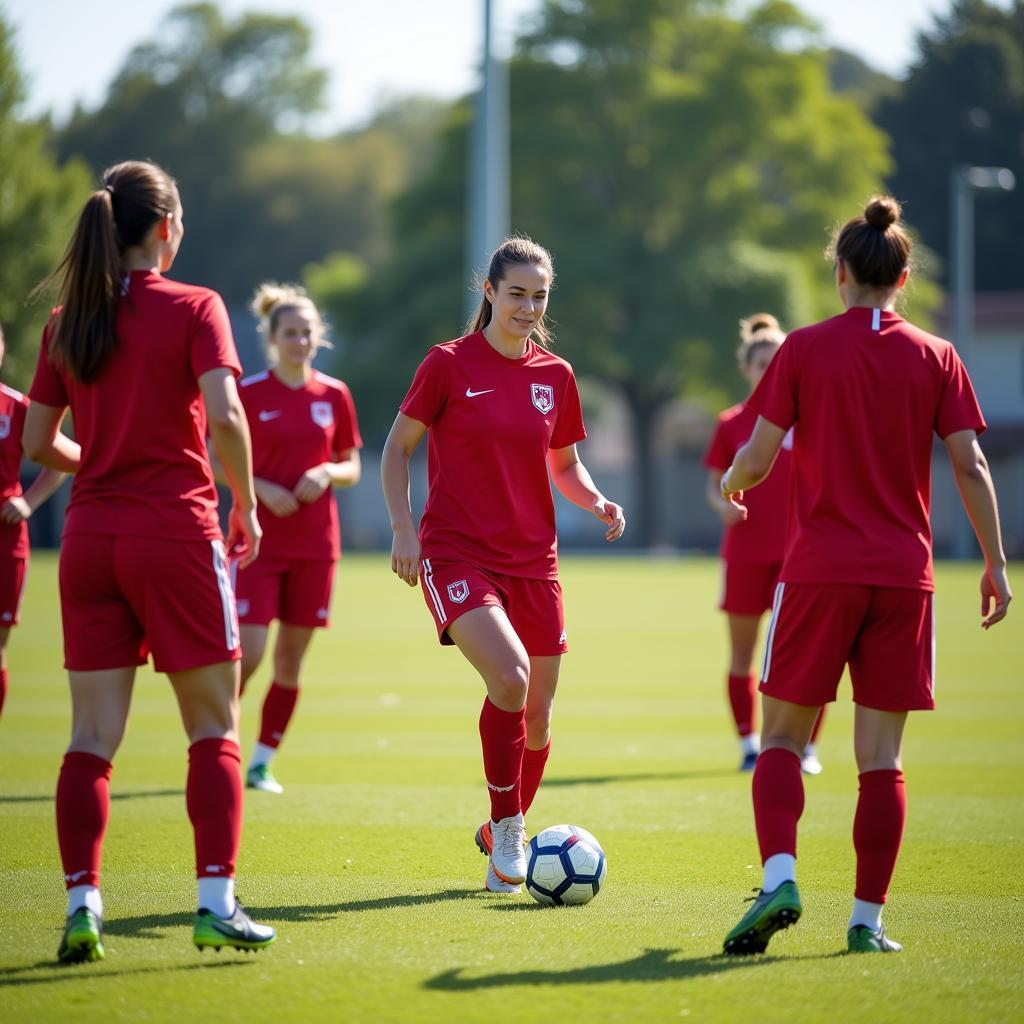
x,y
730,513
405,555
244,535
733,500
15,510
312,484
612,515
279,500
994,587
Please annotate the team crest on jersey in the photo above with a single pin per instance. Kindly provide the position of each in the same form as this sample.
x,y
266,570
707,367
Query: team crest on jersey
x,y
322,413
5,427
458,591
543,396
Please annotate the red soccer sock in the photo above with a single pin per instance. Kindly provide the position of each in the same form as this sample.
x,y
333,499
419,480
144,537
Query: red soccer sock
x,y
878,831
278,708
83,807
503,737
3,688
213,796
742,690
778,790
818,722
533,771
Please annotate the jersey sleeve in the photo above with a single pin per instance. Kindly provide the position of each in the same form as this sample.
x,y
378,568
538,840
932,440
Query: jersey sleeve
x,y
775,398
212,345
428,394
721,451
346,425
569,426
958,407
48,385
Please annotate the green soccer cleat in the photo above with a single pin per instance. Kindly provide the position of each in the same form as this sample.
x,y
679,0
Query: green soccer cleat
x,y
83,938
259,776
239,931
771,912
861,939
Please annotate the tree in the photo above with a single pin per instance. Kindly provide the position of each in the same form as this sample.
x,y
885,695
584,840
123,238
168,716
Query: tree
x,y
963,103
38,202
683,166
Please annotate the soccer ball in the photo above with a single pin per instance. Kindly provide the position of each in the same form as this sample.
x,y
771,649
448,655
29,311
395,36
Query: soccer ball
x,y
566,866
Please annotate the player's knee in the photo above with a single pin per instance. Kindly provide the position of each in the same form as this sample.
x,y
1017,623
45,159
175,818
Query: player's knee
x,y
538,726
100,739
509,686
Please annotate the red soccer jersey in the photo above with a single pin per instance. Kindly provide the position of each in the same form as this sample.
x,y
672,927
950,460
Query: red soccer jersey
x,y
13,539
295,429
492,421
142,423
761,537
866,393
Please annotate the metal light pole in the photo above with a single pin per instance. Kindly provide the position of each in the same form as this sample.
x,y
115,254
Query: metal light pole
x,y
964,182
487,220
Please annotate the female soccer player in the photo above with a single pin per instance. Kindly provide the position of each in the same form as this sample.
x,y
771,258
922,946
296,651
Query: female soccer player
x,y
305,442
15,509
143,363
864,392
502,412
751,548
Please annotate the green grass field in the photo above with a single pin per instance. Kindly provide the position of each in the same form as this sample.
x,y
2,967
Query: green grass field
x,y
367,865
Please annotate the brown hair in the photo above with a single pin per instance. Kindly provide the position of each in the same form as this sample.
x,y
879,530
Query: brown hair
x,y
515,250
135,195
272,300
874,245
758,331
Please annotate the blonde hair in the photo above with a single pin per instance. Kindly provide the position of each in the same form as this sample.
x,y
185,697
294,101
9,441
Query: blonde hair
x,y
757,331
272,299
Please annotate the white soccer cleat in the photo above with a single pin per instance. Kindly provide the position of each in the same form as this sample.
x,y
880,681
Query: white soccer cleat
x,y
508,856
809,763
495,884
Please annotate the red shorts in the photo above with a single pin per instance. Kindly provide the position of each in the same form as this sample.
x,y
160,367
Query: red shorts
x,y
123,598
748,587
12,586
534,607
886,634
294,592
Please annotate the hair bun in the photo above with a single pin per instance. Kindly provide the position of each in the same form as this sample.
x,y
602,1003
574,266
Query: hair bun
x,y
882,212
271,294
757,322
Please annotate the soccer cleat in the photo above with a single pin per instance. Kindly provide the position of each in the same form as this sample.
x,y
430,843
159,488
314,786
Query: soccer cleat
x,y
861,939
495,884
484,838
809,763
508,856
239,931
83,938
259,776
749,760
771,912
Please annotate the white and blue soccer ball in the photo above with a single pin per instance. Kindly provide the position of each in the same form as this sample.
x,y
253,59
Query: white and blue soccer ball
x,y
566,866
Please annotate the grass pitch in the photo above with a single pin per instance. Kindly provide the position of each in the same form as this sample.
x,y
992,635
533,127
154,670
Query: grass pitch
x,y
368,870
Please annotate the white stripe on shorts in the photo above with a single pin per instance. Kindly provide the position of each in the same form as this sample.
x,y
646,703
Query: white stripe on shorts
x,y
766,664
227,595
932,684
428,579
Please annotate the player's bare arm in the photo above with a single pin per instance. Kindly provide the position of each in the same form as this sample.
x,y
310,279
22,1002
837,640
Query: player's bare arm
x,y
406,433
574,483
347,472
43,442
753,461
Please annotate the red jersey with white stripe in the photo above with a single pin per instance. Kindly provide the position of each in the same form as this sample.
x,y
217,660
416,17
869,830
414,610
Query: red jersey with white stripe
x,y
865,392
761,537
13,404
295,429
145,471
492,421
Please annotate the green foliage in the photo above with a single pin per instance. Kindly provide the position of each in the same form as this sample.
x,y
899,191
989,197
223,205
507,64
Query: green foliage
x,y
963,103
38,202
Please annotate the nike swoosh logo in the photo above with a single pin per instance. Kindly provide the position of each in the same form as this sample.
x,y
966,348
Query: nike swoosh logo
x,y
470,393
264,415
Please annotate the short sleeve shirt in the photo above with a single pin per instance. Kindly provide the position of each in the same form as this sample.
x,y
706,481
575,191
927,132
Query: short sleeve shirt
x,y
13,405
866,393
760,538
492,421
293,430
141,423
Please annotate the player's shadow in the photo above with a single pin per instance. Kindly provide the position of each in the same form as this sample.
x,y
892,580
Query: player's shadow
x,y
603,780
47,798
149,926
48,972
651,965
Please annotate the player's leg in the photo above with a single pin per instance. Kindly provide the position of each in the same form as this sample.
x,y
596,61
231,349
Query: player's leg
x,y
742,685
208,701
5,632
99,711
254,646
279,704
13,572
539,700
809,761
